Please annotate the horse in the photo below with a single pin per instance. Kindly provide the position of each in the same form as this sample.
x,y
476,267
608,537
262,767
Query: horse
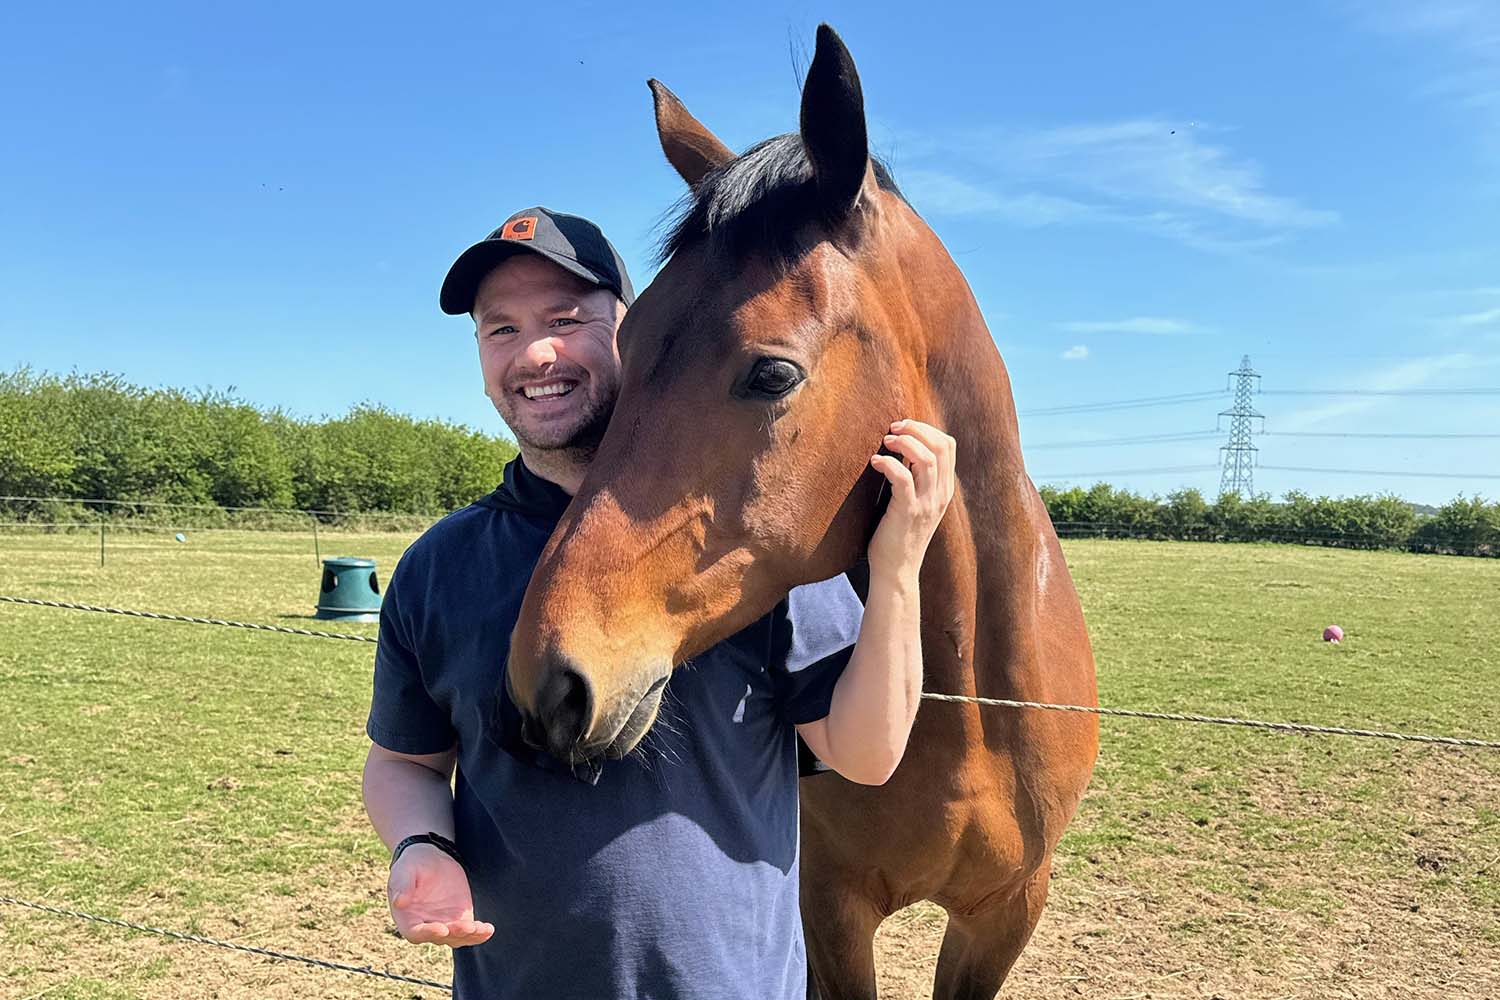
x,y
804,306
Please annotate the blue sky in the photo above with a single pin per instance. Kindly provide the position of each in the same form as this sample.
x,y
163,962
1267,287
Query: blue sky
x,y
266,196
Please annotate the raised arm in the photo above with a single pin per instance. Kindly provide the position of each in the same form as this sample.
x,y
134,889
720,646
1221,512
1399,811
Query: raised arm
x,y
875,700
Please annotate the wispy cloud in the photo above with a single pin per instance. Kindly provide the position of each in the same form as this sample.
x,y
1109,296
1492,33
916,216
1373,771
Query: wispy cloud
x,y
1468,32
944,194
1156,162
1406,375
1488,317
1169,179
1157,325
1076,353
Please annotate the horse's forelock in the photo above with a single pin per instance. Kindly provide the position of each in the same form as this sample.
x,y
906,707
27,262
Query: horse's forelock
x,y
755,203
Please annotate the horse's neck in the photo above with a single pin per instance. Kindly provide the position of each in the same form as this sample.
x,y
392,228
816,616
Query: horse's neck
x,y
979,582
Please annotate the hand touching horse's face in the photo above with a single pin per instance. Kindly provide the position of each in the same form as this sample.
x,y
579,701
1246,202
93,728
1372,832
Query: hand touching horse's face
x,y
759,375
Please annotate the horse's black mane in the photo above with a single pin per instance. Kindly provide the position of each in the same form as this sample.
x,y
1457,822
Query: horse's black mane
x,y
756,202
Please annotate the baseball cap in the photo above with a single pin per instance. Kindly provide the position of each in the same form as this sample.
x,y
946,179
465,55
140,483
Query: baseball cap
x,y
571,242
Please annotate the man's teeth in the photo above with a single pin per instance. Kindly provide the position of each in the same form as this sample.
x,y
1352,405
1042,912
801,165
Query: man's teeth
x,y
541,391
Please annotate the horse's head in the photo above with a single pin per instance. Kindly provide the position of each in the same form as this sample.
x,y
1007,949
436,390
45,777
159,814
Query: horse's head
x,y
761,369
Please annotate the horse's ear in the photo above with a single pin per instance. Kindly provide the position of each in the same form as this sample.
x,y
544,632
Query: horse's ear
x,y
690,147
833,124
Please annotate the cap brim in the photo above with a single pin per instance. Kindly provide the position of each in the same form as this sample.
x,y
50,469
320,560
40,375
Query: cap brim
x,y
462,283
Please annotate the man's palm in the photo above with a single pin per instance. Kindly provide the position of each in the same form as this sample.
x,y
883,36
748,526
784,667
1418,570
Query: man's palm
x,y
431,901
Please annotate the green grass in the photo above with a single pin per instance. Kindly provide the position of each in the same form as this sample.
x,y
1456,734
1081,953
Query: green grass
x,y
170,757
175,773
1234,630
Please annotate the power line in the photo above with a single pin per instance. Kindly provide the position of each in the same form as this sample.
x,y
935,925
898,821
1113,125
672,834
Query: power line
x,y
1382,472
1163,470
1126,404
1172,436
1193,397
1475,391
1126,472
1141,439
1363,434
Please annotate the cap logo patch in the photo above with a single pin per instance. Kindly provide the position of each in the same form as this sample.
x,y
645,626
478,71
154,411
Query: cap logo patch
x,y
519,229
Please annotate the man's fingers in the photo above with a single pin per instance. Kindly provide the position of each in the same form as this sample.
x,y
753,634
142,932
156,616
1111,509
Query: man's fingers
x,y
454,934
429,932
463,928
479,934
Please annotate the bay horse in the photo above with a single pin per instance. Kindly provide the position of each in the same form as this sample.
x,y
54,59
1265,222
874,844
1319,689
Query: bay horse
x,y
803,307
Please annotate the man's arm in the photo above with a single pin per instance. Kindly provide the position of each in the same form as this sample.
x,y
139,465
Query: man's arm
x,y
875,700
408,794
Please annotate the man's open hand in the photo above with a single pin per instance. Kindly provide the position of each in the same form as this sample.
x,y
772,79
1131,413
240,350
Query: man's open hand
x,y
430,899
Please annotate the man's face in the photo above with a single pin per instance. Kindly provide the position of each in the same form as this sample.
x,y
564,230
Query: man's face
x,y
547,350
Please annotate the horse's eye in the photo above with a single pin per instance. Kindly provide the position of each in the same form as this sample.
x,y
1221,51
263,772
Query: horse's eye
x,y
772,378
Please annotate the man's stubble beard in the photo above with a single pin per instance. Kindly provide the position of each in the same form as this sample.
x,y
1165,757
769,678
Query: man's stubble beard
x,y
581,442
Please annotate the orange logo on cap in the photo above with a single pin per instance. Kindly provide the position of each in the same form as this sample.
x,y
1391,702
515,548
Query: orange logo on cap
x,y
519,229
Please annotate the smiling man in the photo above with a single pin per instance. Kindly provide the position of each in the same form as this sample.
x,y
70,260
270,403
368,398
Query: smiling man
x,y
671,872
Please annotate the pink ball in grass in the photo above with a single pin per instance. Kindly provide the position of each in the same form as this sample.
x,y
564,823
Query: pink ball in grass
x,y
1333,634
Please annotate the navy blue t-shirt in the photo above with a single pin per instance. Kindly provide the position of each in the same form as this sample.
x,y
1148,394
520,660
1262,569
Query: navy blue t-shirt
x,y
669,873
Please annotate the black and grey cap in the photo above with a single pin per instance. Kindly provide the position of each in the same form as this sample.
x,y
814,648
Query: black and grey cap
x,y
571,242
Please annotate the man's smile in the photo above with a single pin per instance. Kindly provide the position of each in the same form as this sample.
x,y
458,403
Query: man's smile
x,y
549,390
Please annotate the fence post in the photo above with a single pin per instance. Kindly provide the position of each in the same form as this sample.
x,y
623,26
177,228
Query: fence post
x,y
317,546
101,543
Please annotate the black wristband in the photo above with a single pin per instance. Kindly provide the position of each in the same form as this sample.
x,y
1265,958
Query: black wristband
x,y
437,840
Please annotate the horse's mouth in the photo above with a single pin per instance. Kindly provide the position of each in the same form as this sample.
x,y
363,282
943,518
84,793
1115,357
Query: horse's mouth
x,y
630,732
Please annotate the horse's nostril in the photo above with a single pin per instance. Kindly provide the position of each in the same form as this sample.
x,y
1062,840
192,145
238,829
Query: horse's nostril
x,y
565,709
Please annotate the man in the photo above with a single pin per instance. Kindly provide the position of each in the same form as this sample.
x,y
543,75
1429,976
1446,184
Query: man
x,y
671,872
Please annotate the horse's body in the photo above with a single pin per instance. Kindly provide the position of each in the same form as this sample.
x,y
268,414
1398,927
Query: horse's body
x,y
707,501
971,817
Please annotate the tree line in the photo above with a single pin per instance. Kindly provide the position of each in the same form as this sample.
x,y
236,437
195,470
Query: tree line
x,y
1466,525
98,436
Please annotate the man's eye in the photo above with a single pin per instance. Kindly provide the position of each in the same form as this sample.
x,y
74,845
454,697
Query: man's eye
x,y
502,331
773,378
565,321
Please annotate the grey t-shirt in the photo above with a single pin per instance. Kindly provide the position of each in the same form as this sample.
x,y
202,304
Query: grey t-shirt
x,y
669,874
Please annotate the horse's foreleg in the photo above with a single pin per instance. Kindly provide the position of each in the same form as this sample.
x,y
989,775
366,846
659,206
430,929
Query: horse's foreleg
x,y
840,931
979,947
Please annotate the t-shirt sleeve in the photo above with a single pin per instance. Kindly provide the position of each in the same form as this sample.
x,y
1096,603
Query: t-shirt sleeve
x,y
814,633
403,716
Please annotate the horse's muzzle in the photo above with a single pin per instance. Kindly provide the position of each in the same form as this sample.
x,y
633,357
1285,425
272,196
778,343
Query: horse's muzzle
x,y
564,712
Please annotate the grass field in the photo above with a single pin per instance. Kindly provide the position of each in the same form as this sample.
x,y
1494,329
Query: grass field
x,y
207,780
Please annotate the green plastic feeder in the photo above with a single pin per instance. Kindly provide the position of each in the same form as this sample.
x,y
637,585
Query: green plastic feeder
x,y
350,592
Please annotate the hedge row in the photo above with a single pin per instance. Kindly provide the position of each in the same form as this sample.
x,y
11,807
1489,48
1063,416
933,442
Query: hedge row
x,y
1467,525
98,436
